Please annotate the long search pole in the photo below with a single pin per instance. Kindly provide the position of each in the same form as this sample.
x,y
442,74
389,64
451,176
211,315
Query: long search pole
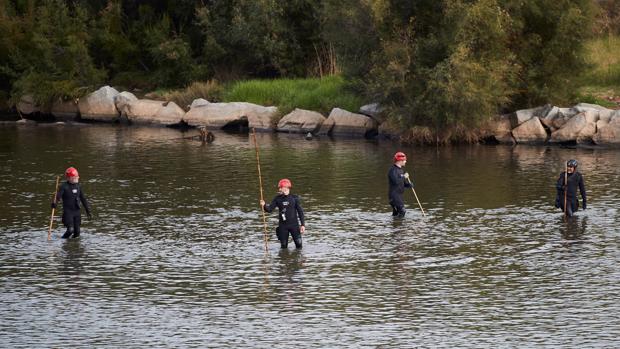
x,y
260,183
49,232
416,197
565,189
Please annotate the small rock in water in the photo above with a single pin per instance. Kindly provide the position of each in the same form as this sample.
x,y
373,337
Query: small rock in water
x,y
309,136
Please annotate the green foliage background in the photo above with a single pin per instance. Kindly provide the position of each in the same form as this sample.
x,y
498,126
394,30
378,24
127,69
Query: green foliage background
x,y
432,63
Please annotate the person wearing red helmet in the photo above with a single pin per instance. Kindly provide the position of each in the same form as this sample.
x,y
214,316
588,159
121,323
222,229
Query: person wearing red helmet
x,y
398,180
71,195
289,207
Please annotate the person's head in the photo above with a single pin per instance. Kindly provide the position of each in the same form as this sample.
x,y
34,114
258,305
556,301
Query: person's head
x,y
571,166
72,175
284,186
400,159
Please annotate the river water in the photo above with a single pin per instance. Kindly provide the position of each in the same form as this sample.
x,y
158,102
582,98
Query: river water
x,y
174,256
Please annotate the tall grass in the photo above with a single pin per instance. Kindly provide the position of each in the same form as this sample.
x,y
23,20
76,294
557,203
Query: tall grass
x,y
287,94
603,55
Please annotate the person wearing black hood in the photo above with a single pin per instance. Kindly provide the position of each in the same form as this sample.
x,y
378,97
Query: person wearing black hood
x,y
71,195
567,186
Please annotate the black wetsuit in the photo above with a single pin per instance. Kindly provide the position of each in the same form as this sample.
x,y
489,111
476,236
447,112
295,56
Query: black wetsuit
x,y
71,195
397,185
289,208
575,180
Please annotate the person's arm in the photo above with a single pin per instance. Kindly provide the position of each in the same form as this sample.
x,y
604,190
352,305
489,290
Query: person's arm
x,y
269,207
58,196
582,190
300,214
85,203
408,181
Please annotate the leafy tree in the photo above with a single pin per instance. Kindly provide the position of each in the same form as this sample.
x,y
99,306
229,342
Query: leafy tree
x,y
54,60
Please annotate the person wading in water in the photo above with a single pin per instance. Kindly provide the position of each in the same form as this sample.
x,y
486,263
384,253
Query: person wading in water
x,y
289,207
566,186
398,180
71,195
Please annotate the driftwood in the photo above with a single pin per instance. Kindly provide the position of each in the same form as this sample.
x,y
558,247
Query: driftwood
x,y
205,136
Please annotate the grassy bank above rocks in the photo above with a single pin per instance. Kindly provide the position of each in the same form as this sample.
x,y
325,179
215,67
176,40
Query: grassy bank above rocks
x,y
317,94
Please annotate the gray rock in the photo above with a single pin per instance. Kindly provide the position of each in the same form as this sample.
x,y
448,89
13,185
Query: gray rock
x,y
373,110
99,105
198,102
345,123
607,133
301,121
145,111
219,115
27,106
530,132
521,116
570,130
65,110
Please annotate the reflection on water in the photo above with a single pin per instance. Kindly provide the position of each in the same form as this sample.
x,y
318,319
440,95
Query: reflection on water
x,y
175,258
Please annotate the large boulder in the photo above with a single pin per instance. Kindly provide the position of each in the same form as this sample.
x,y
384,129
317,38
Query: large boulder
x,y
373,110
571,130
99,105
530,132
548,118
27,106
198,102
301,121
221,115
344,123
499,128
145,111
521,116
607,132
583,107
121,100
65,110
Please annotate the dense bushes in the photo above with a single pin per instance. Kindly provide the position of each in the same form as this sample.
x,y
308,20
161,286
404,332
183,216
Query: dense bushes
x,y
430,63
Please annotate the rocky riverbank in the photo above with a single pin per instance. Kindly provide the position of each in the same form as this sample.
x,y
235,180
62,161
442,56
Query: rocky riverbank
x,y
579,124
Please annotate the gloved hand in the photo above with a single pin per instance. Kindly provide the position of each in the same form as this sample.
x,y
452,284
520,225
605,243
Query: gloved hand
x,y
90,216
53,205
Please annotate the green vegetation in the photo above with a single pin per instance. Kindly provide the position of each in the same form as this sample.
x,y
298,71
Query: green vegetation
x,y
602,79
448,64
313,94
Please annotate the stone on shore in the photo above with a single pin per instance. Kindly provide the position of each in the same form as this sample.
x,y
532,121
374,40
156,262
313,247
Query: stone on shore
x,y
222,115
65,110
373,110
301,121
345,123
27,106
145,111
500,128
99,105
530,132
607,132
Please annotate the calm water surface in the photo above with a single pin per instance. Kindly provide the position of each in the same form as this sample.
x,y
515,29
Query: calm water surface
x,y
175,254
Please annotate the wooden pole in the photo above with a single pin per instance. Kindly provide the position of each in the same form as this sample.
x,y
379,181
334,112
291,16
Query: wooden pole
x,y
416,197
565,189
260,185
49,232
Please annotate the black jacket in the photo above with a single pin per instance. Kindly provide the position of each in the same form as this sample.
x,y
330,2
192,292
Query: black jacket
x,y
71,196
289,207
397,183
575,180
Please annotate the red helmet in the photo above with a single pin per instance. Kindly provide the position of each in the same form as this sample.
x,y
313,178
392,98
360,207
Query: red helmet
x,y
400,156
285,183
71,172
